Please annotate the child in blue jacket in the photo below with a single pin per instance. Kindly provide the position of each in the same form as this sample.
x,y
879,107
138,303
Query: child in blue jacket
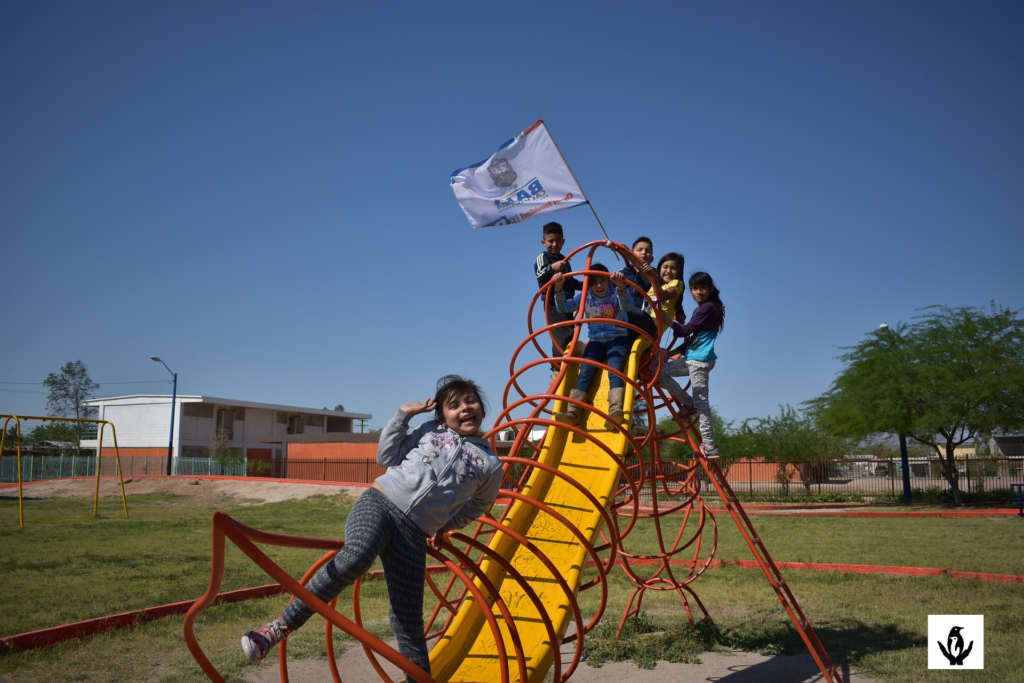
x,y
607,342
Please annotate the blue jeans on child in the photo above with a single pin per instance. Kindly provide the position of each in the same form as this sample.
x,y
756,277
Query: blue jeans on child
x,y
612,353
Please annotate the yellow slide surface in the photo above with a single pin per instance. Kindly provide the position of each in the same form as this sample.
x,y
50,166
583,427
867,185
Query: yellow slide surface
x,y
467,652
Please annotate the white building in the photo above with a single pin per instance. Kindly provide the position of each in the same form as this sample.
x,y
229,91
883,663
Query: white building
x,y
143,425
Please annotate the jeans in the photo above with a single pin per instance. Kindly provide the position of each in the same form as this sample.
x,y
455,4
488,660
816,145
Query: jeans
x,y
612,353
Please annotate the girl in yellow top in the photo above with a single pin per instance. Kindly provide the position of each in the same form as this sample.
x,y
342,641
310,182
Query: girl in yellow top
x,y
670,269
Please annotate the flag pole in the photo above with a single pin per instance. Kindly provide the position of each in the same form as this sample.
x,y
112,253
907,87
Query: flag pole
x,y
589,203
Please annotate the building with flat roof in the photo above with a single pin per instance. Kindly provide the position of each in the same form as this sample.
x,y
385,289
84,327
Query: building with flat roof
x,y
143,425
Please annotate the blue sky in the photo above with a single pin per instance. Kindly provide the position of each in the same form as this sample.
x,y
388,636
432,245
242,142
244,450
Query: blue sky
x,y
258,192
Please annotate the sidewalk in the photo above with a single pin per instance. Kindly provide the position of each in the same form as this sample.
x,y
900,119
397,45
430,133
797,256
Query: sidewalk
x,y
721,667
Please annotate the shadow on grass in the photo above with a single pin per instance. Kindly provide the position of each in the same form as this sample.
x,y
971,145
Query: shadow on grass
x,y
846,646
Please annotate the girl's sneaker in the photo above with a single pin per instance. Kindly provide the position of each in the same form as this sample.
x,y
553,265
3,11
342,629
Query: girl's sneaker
x,y
709,452
256,644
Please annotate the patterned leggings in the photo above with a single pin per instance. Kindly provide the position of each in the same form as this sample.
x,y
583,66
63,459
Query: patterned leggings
x,y
375,527
698,372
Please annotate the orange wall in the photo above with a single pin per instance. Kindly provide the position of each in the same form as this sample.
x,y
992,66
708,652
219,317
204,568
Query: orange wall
x,y
136,452
758,471
332,451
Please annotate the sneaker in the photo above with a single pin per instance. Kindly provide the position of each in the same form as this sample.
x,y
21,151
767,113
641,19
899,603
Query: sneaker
x,y
709,452
687,411
256,644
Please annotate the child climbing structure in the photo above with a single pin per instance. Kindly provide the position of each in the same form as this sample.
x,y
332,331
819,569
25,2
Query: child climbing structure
x,y
508,605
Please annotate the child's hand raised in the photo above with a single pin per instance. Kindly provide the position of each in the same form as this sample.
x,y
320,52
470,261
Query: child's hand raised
x,y
559,280
558,266
618,280
415,408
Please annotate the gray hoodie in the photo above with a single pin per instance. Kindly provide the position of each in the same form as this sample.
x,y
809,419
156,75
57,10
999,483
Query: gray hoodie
x,y
436,477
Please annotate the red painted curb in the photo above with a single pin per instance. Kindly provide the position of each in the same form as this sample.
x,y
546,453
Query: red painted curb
x,y
799,510
80,629
841,568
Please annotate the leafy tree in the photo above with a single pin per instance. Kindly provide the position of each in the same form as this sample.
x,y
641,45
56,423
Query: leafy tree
x,y
11,438
725,436
793,441
67,391
220,443
952,374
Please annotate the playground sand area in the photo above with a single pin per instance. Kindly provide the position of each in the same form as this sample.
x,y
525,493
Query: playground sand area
x,y
241,491
729,666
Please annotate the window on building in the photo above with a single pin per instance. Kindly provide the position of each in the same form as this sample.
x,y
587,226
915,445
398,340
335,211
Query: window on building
x,y
295,424
196,410
226,421
339,424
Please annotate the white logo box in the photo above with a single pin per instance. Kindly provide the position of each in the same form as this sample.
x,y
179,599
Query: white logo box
x,y
957,634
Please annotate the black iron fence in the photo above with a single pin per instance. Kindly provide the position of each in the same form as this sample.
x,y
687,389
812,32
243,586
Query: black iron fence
x,y
854,478
872,476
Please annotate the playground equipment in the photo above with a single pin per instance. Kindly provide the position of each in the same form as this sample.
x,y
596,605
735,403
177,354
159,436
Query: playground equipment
x,y
568,506
99,456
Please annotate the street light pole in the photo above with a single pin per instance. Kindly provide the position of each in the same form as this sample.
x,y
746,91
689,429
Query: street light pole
x,y
174,400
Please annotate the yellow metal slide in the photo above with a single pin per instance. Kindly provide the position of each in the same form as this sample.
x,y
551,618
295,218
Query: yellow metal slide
x,y
467,652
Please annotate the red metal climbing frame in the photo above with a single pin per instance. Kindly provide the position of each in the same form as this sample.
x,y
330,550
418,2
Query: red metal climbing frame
x,y
673,490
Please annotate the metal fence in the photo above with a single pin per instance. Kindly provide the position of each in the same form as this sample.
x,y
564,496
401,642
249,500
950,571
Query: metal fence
x,y
858,477
879,476
863,477
342,471
36,467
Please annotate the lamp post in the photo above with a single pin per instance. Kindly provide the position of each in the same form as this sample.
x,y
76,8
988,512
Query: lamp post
x,y
174,397
904,460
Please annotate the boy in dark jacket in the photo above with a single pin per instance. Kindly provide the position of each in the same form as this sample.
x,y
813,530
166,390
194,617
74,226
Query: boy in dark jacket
x,y
547,264
643,277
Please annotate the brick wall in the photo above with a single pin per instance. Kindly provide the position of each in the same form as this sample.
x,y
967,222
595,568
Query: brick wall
x,y
135,452
332,451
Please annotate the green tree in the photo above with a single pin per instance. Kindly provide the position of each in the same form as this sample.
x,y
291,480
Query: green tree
x,y
68,389
791,439
11,437
952,374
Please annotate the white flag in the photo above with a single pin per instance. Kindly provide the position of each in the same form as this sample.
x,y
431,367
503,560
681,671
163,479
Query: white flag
x,y
527,177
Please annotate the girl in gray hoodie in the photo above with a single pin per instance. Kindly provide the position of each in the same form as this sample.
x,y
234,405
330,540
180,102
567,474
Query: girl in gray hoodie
x,y
441,476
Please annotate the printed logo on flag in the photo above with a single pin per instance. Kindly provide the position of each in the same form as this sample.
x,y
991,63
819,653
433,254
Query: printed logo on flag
x,y
502,173
526,178
956,641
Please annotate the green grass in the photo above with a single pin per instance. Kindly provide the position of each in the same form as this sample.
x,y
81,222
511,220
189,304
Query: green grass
x,y
65,566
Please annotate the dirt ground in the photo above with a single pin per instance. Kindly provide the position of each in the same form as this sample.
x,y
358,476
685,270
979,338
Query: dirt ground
x,y
725,666
244,491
